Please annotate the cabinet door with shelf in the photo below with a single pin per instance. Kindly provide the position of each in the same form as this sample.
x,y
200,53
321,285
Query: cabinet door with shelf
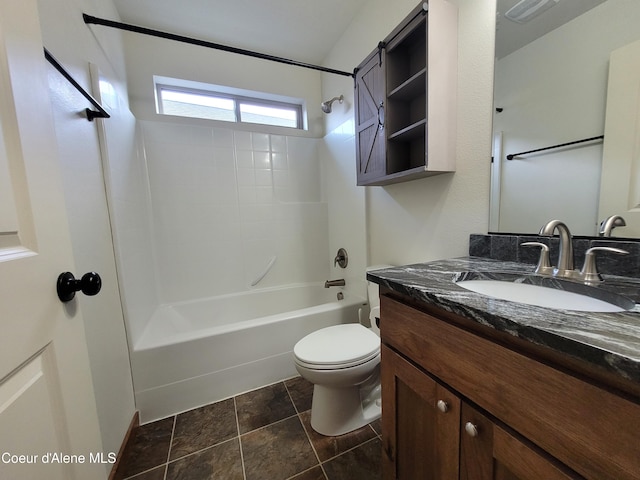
x,y
420,423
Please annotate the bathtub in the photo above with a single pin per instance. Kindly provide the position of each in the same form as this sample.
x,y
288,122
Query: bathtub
x,y
197,352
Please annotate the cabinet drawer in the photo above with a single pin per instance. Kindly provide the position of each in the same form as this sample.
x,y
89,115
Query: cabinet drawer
x,y
593,431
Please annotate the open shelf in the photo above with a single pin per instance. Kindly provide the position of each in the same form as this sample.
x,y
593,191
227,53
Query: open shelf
x,y
413,87
409,133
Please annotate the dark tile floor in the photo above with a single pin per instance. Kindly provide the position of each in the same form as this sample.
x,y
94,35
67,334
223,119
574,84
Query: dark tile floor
x,y
263,434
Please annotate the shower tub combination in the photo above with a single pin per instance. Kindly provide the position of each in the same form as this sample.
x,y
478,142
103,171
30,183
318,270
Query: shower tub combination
x,y
197,352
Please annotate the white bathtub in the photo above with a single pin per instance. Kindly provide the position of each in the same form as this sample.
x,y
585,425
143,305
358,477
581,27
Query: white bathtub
x,y
198,352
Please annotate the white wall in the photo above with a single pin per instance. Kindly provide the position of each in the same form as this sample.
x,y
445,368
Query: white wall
x,y
429,218
554,91
73,44
346,203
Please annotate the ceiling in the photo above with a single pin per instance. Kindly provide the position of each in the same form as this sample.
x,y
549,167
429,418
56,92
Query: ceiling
x,y
302,30
510,36
306,30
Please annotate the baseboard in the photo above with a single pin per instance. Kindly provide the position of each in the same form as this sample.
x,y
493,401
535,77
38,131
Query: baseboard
x,y
135,422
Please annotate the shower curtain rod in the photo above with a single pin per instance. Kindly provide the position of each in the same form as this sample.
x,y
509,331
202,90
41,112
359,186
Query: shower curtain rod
x,y
88,19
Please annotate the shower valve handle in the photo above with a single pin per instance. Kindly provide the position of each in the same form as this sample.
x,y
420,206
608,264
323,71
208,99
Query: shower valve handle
x,y
341,259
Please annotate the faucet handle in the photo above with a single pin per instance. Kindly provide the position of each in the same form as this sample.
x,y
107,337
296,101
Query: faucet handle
x,y
544,264
341,259
589,272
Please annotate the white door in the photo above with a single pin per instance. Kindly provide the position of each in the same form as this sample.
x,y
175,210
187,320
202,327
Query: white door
x,y
48,423
620,182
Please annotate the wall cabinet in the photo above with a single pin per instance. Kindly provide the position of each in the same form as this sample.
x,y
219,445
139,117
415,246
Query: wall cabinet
x,y
405,96
457,404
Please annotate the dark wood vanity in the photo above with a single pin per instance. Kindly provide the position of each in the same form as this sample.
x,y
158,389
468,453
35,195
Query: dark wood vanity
x,y
463,399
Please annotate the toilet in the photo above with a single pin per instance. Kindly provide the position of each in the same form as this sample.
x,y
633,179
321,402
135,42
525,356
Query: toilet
x,y
343,363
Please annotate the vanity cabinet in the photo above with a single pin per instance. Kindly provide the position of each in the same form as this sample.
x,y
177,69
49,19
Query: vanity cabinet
x,y
405,99
462,402
419,441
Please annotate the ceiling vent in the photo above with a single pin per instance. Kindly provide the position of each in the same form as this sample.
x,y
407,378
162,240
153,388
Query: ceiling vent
x,y
525,10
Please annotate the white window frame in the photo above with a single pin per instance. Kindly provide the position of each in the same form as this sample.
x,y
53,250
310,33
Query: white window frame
x,y
239,97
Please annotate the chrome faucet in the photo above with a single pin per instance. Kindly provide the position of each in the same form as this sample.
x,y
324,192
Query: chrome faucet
x,y
334,283
565,257
610,223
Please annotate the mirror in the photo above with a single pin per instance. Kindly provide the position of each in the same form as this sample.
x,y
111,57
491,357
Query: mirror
x,y
550,89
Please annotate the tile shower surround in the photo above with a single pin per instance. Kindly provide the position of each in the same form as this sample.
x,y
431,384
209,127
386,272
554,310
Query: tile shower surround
x,y
263,434
225,200
507,247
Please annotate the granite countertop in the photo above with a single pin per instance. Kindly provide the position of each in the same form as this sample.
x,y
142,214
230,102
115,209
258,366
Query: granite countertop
x,y
608,340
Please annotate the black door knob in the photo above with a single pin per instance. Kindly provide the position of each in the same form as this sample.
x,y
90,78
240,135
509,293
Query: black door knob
x,y
67,286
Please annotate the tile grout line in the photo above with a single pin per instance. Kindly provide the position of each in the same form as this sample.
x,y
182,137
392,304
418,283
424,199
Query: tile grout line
x,y
235,409
270,424
295,407
352,449
196,452
173,431
164,464
139,474
315,452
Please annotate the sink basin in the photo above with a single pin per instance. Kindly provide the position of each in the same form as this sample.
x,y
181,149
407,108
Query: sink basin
x,y
545,292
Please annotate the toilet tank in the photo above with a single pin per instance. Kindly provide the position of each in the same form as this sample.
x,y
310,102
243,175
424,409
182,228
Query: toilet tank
x,y
373,290
373,293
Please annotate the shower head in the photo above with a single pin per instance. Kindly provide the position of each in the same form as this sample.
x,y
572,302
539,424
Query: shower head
x,y
326,106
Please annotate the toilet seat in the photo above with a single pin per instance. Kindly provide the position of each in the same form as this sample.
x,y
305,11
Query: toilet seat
x,y
336,347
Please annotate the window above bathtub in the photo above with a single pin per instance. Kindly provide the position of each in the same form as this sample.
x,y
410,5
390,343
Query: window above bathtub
x,y
186,98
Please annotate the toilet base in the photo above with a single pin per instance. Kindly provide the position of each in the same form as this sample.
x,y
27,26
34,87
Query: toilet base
x,y
336,411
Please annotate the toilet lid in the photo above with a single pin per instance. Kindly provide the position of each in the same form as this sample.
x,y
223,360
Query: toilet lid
x,y
338,345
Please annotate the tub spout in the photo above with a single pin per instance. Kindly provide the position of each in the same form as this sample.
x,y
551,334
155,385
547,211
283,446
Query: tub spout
x,y
334,283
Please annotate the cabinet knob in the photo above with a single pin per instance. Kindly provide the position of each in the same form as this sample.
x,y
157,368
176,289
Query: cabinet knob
x,y
442,406
471,429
